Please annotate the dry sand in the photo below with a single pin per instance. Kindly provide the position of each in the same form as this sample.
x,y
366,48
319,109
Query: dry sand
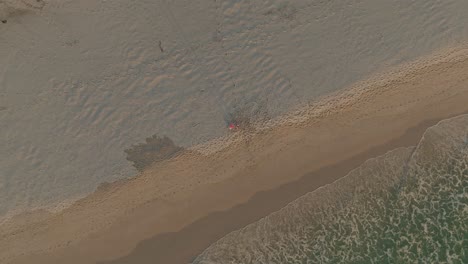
x,y
327,138
103,75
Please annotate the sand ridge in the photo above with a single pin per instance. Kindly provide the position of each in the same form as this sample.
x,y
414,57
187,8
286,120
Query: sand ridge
x,y
351,96
174,193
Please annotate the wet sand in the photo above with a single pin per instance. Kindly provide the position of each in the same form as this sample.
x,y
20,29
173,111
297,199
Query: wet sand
x,y
181,206
185,245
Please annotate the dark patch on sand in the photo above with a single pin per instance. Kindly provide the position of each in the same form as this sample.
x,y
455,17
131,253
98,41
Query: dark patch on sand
x,y
284,11
108,186
72,43
245,116
18,8
2,108
154,149
161,47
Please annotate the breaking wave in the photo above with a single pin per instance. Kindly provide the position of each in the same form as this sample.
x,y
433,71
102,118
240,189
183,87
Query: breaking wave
x,y
409,205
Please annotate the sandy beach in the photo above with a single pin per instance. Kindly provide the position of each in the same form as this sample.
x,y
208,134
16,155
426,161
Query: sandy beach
x,y
178,207
114,115
103,76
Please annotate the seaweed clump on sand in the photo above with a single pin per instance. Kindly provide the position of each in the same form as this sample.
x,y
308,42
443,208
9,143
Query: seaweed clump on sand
x,y
246,117
155,149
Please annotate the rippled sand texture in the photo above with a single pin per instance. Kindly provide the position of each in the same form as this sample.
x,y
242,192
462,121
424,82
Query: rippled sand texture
x,y
82,81
406,206
171,195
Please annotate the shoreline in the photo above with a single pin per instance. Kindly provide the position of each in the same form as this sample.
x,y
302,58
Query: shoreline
x,y
172,247
175,194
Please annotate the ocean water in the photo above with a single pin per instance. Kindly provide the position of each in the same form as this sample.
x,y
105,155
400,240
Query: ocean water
x,y
408,206
83,81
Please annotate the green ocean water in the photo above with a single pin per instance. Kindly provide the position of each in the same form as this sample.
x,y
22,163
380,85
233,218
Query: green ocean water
x,y
408,206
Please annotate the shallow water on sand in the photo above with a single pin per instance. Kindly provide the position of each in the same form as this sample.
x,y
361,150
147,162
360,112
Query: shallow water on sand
x,y
83,81
408,206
